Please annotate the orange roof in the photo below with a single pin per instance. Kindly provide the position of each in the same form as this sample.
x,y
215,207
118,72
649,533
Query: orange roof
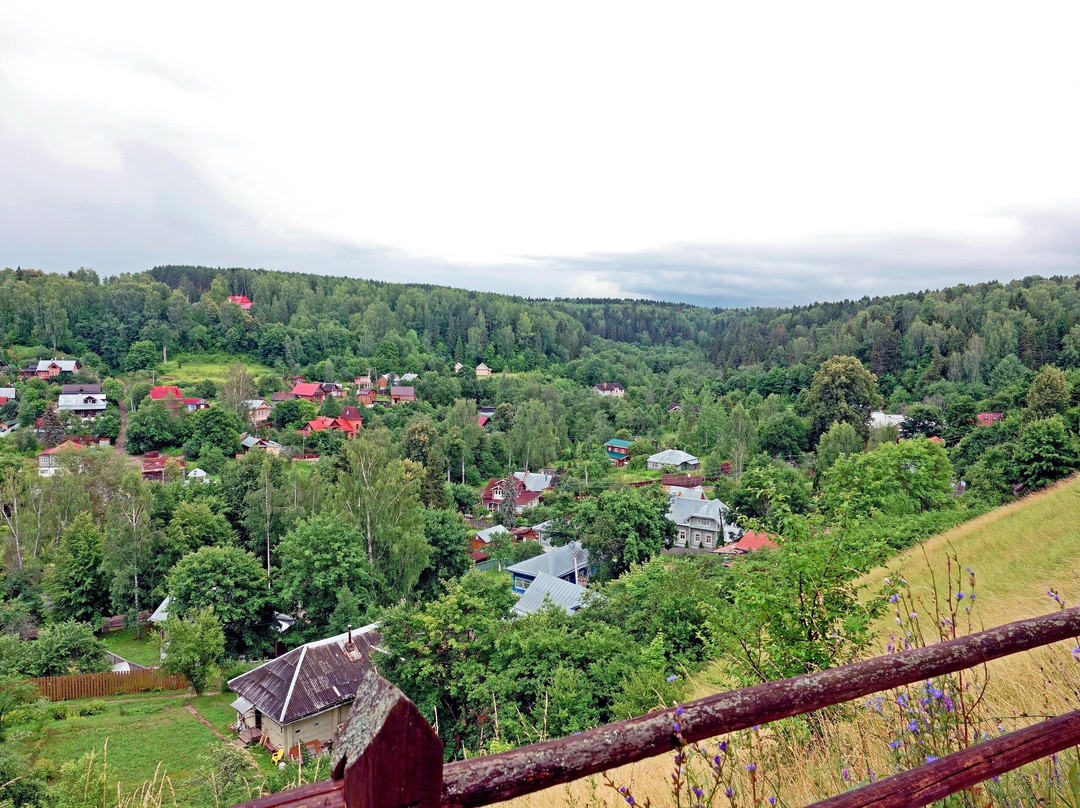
x,y
66,446
750,542
306,389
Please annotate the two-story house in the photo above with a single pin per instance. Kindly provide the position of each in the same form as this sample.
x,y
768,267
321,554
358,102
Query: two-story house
x,y
568,563
618,451
701,523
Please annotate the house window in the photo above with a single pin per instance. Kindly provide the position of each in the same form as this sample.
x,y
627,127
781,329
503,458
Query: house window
x,y
697,536
521,583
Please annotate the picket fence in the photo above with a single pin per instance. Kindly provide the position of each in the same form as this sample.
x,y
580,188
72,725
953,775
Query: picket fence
x,y
99,685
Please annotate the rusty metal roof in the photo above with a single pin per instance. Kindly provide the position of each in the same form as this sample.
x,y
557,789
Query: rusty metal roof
x,y
311,678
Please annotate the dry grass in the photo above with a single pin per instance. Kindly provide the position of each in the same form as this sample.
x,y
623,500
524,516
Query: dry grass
x,y
1018,552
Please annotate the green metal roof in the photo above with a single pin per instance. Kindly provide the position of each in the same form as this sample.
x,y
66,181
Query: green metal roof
x,y
621,444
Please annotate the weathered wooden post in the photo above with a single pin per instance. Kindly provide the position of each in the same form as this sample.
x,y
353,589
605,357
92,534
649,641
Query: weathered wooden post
x,y
388,755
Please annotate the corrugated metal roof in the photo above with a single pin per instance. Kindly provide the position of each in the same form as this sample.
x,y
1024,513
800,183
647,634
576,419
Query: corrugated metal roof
x,y
672,457
557,563
311,678
548,588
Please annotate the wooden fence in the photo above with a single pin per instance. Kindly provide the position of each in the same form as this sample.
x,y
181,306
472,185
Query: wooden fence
x,y
99,685
387,756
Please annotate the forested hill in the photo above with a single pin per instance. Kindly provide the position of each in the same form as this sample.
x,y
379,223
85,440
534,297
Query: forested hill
x,y
959,334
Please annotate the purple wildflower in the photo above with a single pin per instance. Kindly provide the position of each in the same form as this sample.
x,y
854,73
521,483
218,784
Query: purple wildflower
x,y
959,595
772,800
672,678
675,726
896,744
931,758
845,774
894,598
679,711
751,767
729,791
723,746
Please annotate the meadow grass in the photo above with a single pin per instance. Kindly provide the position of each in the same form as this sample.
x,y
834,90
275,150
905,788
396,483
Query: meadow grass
x,y
145,652
188,370
140,734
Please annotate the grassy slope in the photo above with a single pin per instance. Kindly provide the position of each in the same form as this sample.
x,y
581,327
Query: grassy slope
x,y
1017,551
188,370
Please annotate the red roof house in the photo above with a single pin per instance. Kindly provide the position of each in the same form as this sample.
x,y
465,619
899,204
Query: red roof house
x,y
325,423
366,395
750,542
168,394
241,301
309,391
988,418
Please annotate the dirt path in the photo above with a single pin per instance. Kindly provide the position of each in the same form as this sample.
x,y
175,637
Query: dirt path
x,y
191,709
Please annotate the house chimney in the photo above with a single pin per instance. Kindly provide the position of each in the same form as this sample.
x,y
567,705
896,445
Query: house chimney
x,y
350,633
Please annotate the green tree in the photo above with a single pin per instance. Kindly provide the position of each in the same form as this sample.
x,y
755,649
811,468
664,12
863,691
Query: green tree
x,y
193,525
624,526
1045,453
292,414
65,648
842,391
532,438
142,354
449,540
238,388
76,583
922,419
234,584
767,484
783,435
152,427
213,427
14,691
380,495
1048,395
195,647
319,557
896,478
841,440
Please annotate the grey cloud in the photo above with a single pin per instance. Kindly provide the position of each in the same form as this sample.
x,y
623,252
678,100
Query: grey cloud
x,y
156,209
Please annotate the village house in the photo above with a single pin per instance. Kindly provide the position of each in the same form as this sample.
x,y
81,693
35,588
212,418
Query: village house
x,y
49,368
277,398
568,563
751,541
546,589
302,697
362,381
332,389
309,391
409,377
482,370
155,465
701,523
881,419
74,389
84,405
988,418
251,442
241,301
197,476
609,389
194,404
6,394
618,451
168,394
402,395
258,411
528,488
483,538
676,458
457,367
324,423
367,396
49,461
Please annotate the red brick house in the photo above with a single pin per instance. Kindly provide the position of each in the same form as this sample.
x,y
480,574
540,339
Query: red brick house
x,y
402,395
366,396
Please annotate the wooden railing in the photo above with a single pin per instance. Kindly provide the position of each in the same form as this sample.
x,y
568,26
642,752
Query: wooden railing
x,y
387,756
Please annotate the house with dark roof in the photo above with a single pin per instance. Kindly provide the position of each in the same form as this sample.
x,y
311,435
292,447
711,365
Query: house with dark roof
x,y
568,563
73,389
528,491
302,697
609,389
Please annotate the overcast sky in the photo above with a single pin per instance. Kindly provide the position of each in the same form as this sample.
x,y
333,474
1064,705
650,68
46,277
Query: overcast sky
x,y
726,154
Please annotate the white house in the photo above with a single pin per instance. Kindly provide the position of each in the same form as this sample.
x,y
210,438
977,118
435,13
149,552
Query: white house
x,y
680,460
